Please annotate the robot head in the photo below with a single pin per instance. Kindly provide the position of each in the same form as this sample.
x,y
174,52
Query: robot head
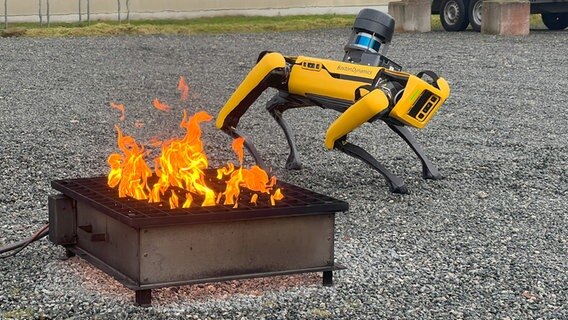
x,y
372,32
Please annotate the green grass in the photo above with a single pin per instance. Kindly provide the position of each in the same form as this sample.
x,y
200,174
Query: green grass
x,y
435,23
206,25
190,26
18,314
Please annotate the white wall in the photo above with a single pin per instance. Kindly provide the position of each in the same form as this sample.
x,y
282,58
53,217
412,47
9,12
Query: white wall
x,y
68,10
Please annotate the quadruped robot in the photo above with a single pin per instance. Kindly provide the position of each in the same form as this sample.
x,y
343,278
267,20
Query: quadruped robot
x,y
365,87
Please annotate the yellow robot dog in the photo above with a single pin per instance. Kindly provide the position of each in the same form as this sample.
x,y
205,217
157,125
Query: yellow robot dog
x,y
366,86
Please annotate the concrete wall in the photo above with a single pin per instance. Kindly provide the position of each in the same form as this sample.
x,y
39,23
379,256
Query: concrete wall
x,y
67,10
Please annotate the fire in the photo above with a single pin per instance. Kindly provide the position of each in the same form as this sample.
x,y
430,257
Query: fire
x,y
254,179
155,142
179,170
276,196
161,106
174,200
183,89
254,198
119,107
129,171
237,145
182,162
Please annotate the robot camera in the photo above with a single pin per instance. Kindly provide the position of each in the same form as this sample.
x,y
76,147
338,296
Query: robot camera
x,y
369,40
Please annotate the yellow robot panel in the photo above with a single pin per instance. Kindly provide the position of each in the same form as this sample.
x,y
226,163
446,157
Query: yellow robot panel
x,y
420,101
360,112
332,79
250,84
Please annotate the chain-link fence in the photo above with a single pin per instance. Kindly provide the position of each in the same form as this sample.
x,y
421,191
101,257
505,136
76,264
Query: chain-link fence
x,y
83,6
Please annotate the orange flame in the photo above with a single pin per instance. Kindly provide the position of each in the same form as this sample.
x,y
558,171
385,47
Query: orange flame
x,y
225,171
161,106
188,200
182,162
276,196
181,166
233,190
254,179
183,89
254,198
237,145
155,142
129,171
174,200
119,107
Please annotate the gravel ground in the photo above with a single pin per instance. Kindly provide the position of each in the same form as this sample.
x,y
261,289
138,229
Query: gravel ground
x,y
488,241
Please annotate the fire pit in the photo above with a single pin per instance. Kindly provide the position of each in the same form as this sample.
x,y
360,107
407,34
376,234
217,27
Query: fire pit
x,y
149,245
179,222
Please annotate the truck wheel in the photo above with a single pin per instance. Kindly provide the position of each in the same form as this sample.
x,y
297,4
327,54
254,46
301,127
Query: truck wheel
x,y
453,15
555,21
474,13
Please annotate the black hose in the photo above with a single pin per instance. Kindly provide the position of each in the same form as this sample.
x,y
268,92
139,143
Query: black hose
x,y
20,245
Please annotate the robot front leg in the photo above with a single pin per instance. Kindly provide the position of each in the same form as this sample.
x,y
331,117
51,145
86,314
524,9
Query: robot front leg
x,y
429,171
268,72
374,104
396,185
234,133
276,107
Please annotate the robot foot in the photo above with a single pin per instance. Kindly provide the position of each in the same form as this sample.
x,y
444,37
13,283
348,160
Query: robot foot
x,y
395,183
431,174
293,163
399,189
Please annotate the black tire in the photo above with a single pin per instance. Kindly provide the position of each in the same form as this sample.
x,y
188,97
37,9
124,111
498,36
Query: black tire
x,y
453,15
555,21
474,13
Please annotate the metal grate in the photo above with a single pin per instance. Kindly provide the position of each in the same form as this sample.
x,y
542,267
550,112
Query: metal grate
x,y
95,192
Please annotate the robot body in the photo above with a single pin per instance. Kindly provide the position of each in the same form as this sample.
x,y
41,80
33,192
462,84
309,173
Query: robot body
x,y
362,93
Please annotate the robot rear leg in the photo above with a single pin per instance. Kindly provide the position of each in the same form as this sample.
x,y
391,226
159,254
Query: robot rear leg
x,y
429,171
276,107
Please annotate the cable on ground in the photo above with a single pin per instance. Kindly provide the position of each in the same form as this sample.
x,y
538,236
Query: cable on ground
x,y
20,245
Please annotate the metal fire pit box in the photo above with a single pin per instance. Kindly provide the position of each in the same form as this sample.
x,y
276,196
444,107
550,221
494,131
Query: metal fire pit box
x,y
148,245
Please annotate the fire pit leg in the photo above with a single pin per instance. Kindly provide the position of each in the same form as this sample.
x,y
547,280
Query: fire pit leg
x,y
143,297
328,278
69,253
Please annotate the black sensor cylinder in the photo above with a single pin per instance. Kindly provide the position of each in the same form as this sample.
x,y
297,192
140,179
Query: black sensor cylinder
x,y
376,22
370,37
